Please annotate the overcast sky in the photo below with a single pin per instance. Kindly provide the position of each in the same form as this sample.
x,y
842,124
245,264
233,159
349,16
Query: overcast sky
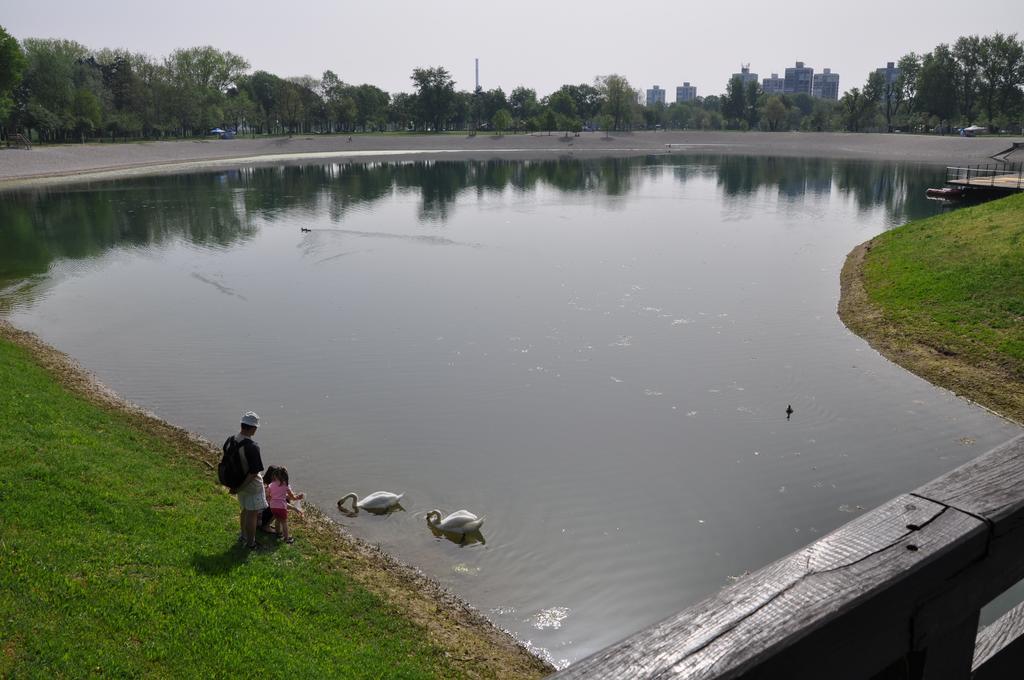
x,y
540,44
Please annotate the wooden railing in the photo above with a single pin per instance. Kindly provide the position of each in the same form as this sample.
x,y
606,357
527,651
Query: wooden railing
x,y
896,593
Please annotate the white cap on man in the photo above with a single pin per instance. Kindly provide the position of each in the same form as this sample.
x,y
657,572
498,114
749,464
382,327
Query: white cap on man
x,y
250,419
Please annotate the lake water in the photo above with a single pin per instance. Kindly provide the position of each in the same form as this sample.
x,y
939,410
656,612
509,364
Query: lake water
x,y
595,355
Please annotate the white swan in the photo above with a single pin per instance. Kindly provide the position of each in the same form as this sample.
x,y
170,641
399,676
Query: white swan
x,y
376,501
459,522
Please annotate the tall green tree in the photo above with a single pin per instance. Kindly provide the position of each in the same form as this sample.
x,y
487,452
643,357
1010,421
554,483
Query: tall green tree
x,y
820,118
905,90
435,96
1002,59
207,68
49,81
548,120
1011,90
501,121
967,51
202,77
402,111
490,102
734,105
12,63
752,96
122,93
655,115
937,84
371,106
587,99
88,116
262,88
619,99
523,104
873,97
774,112
154,95
851,105
314,111
239,110
680,115
290,104
562,104
339,102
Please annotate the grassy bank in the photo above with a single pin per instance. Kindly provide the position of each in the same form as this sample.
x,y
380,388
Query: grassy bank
x,y
118,558
944,297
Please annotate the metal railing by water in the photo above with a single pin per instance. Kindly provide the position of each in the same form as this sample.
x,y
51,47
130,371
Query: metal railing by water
x,y
896,593
1005,176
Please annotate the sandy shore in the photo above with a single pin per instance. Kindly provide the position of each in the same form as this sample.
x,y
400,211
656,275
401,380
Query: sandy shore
x,y
992,387
60,164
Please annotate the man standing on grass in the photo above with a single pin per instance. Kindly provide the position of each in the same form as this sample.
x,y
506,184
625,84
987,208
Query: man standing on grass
x,y
251,496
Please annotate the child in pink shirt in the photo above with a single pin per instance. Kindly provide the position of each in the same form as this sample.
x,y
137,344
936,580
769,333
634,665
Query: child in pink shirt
x,y
278,495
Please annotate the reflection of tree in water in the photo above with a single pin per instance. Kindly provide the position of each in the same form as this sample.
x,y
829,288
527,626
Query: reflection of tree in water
x,y
40,227
899,189
439,183
273,192
793,177
609,177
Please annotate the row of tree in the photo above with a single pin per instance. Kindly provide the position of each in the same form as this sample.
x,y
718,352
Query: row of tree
x,y
976,80
59,90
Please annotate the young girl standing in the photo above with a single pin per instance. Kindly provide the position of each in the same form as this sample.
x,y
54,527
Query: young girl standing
x,y
278,495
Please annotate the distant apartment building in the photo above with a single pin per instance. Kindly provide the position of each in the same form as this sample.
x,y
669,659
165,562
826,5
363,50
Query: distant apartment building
x,y
798,79
686,93
826,85
655,95
745,75
774,85
891,73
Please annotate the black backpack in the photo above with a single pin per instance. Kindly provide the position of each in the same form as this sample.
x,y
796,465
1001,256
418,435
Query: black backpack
x,y
233,465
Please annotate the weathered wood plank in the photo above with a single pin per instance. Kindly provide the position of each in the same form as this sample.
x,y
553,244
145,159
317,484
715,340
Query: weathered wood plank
x,y
846,600
999,652
990,486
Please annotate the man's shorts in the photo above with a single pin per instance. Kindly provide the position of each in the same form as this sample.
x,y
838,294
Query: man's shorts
x,y
252,497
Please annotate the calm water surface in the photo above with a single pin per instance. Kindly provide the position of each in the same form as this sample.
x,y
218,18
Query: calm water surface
x,y
595,355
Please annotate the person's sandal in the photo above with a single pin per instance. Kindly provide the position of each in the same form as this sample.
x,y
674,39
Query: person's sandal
x,y
290,539
253,546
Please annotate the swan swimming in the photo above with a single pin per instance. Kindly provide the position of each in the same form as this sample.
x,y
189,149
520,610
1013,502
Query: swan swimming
x,y
376,501
459,522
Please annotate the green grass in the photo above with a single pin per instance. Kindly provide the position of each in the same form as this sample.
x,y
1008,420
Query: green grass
x,y
118,559
956,282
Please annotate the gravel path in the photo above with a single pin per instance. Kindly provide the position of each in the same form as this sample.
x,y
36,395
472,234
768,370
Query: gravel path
x,y
58,164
